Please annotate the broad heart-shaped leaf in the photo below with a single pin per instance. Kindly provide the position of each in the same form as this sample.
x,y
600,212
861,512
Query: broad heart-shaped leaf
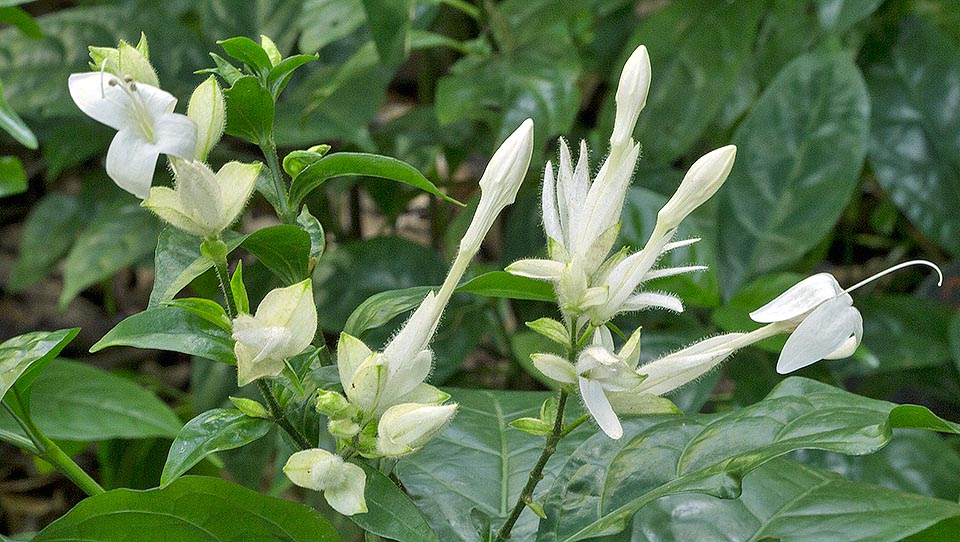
x,y
178,261
604,483
250,110
23,357
197,509
481,463
914,143
790,183
380,308
78,402
211,432
790,502
503,284
119,236
284,249
174,329
358,163
690,87
390,512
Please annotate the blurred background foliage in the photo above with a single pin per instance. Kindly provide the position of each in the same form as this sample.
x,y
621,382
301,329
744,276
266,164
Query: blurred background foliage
x,y
846,114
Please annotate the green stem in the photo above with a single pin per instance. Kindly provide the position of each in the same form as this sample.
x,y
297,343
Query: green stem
x,y
269,150
223,276
536,474
276,412
51,453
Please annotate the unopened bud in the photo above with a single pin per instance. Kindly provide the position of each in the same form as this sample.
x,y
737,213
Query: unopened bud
x,y
408,427
701,182
342,483
343,428
631,95
207,109
334,405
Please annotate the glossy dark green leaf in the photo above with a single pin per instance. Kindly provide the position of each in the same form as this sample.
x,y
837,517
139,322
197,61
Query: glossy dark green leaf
x,y
210,311
480,462
12,124
914,143
211,432
786,501
173,329
606,482
178,261
50,230
391,514
379,309
904,331
119,236
192,508
689,87
505,285
389,22
284,249
77,402
310,224
249,52
357,163
789,184
250,110
13,179
24,356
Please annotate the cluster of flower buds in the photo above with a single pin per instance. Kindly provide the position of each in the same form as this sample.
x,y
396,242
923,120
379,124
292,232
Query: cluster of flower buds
x,y
386,408
124,93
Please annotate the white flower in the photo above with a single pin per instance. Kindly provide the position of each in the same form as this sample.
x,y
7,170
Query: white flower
x,y
342,483
631,94
204,203
701,182
283,327
827,325
407,427
145,122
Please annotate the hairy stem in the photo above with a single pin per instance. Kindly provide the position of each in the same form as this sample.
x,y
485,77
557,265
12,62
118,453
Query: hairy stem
x,y
276,412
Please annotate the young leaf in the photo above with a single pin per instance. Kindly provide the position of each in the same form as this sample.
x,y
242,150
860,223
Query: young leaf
x,y
250,110
312,226
211,311
284,249
380,308
280,74
24,356
239,290
211,432
533,426
505,285
295,161
249,52
551,329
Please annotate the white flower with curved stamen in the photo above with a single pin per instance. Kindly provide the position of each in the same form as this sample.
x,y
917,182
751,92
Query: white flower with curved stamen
x,y
342,483
827,325
283,327
145,122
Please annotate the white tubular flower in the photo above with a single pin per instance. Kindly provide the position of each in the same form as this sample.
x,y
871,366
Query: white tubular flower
x,y
145,122
342,483
283,327
701,182
499,184
204,203
631,95
674,370
407,427
825,322
600,371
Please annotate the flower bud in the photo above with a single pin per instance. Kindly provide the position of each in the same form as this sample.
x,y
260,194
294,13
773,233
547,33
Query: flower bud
x,y
207,110
343,428
342,483
701,182
334,406
408,427
283,327
126,61
631,95
500,183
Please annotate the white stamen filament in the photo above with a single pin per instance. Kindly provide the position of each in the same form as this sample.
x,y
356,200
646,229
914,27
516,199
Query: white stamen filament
x,y
896,268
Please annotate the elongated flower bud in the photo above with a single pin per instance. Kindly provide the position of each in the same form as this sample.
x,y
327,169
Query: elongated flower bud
x,y
631,95
701,182
207,109
406,428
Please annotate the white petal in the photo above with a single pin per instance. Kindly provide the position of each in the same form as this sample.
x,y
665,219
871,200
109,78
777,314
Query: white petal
x,y
351,352
406,375
555,368
799,299
672,271
821,333
348,497
595,296
175,134
415,335
104,103
846,349
424,394
536,269
131,161
548,203
678,244
599,407
157,102
645,300
237,182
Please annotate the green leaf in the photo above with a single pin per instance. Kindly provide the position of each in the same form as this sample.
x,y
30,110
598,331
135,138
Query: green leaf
x,y
173,329
505,285
13,179
211,311
357,163
178,261
326,21
24,356
790,184
604,483
389,22
391,513
249,52
20,19
551,329
690,87
903,331
280,75
77,402
192,508
914,144
311,225
480,462
284,249
211,432
11,123
295,161
379,309
239,291
51,228
250,110
119,236
532,426
954,338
